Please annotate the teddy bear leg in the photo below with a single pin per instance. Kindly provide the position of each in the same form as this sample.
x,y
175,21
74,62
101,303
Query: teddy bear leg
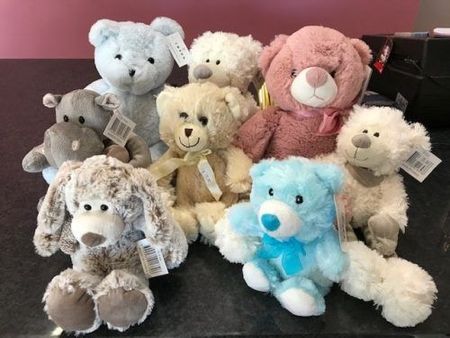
x,y
301,297
185,217
208,214
69,301
381,234
260,275
123,299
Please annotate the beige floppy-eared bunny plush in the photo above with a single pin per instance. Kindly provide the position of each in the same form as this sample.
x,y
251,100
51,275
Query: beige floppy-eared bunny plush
x,y
97,210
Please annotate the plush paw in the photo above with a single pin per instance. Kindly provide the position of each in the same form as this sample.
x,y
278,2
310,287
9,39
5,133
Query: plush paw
x,y
208,214
187,222
299,303
72,309
255,277
240,187
121,308
383,234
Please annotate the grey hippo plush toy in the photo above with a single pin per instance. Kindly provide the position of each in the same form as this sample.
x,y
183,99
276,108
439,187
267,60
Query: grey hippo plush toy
x,y
96,211
81,117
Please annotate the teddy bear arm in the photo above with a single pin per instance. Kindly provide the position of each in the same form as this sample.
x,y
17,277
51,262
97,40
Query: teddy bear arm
x,y
243,219
255,134
395,201
139,152
35,160
332,261
237,171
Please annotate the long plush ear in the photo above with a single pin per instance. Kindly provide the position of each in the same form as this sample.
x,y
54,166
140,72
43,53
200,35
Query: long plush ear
x,y
108,101
52,213
51,100
163,98
159,224
102,30
259,169
419,137
363,50
269,52
166,26
331,175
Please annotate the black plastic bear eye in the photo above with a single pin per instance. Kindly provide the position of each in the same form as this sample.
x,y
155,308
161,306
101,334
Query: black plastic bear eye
x,y
365,131
299,199
203,120
377,134
207,60
104,207
183,115
81,119
218,62
151,60
293,73
66,118
270,192
87,207
118,57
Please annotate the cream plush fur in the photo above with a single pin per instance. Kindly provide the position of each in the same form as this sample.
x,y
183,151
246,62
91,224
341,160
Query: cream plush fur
x,y
226,59
371,146
96,211
194,118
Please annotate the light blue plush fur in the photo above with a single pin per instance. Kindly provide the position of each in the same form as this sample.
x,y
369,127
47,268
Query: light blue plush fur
x,y
124,48
319,255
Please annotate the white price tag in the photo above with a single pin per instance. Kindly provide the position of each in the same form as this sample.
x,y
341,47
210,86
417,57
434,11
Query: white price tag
x,y
119,128
420,164
152,259
341,220
210,179
401,102
178,49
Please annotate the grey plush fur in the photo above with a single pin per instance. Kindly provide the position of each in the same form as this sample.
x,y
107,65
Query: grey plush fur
x,y
81,118
135,202
134,62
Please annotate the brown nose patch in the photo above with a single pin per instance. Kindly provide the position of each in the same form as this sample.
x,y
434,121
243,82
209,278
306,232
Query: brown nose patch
x,y
91,239
188,131
361,141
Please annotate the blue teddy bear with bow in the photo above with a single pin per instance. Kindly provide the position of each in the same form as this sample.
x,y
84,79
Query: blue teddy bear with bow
x,y
292,211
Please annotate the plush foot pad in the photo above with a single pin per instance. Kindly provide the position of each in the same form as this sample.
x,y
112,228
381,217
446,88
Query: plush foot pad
x,y
74,311
299,303
121,308
255,277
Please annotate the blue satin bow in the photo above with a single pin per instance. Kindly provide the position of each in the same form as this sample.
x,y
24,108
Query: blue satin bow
x,y
289,250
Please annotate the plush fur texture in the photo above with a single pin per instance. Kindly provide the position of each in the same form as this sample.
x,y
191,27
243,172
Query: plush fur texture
x,y
314,76
371,147
100,196
226,59
134,62
291,213
194,118
81,118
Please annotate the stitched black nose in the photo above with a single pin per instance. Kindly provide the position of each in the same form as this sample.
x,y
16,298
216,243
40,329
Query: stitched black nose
x,y
131,72
187,132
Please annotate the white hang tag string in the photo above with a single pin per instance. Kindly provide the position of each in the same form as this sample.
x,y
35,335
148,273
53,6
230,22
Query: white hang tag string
x,y
420,164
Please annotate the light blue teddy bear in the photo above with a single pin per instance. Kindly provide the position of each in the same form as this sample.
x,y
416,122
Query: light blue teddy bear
x,y
292,212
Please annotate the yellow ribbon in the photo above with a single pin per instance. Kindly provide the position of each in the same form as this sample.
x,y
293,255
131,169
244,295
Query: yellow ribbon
x,y
164,168
264,97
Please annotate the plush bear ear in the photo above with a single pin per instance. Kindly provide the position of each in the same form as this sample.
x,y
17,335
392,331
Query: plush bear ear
x,y
363,50
331,175
166,26
108,101
259,169
102,30
163,98
51,100
419,137
269,52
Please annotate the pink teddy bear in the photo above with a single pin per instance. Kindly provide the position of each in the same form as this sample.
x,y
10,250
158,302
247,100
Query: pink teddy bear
x,y
314,77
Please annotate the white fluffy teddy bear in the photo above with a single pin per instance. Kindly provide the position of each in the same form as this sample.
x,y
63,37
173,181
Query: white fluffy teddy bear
x,y
371,147
134,62
226,59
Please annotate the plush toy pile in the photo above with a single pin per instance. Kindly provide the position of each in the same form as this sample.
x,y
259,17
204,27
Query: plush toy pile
x,y
279,189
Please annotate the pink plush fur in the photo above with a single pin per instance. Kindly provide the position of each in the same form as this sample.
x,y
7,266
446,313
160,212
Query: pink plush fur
x,y
282,131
